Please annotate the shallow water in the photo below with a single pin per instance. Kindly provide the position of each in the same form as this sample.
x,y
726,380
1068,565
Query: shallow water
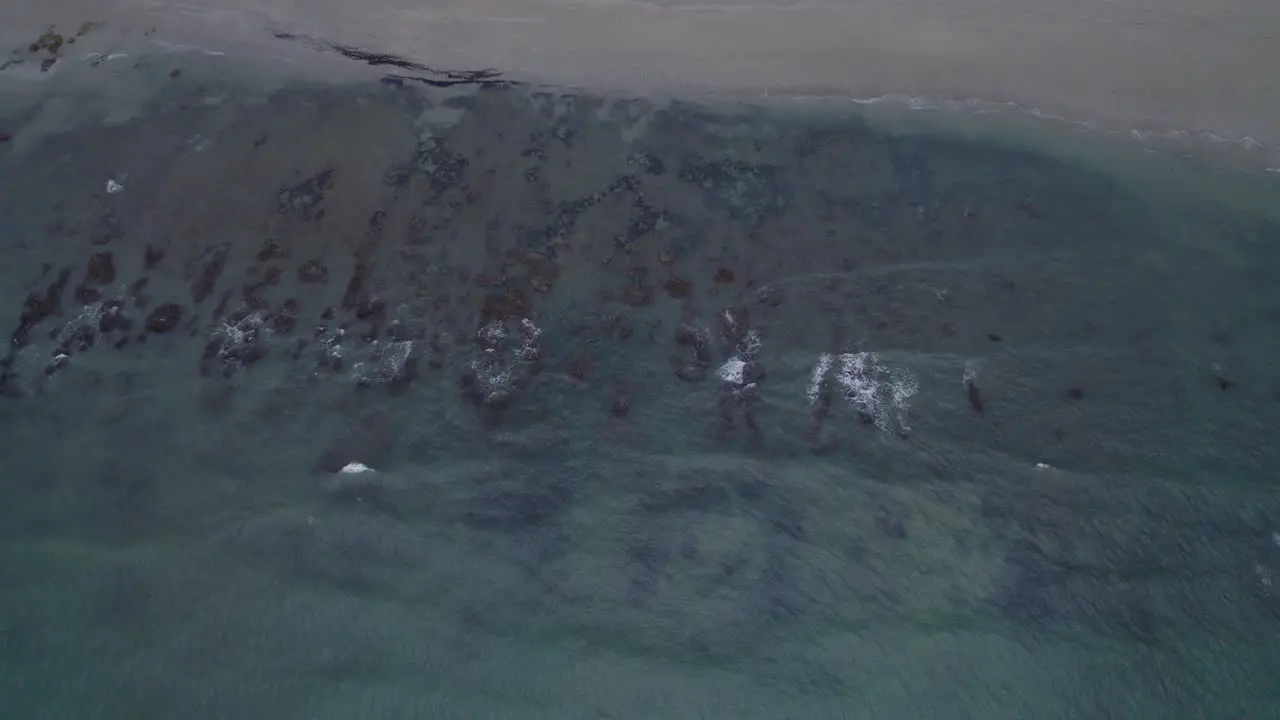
x,y
672,411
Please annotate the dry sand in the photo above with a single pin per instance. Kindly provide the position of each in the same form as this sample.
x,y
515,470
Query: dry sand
x,y
1156,64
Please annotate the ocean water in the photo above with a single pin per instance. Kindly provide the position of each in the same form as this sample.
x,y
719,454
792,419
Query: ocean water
x,y
480,400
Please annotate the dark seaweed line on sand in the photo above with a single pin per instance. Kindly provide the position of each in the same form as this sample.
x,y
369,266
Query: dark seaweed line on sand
x,y
437,78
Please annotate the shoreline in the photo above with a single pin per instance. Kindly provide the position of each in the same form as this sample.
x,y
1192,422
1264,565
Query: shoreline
x,y
1115,62
271,47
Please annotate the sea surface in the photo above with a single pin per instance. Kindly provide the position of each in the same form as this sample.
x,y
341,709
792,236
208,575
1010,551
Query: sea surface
x,y
446,396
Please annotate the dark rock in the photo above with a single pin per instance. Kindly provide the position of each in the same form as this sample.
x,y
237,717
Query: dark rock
x,y
37,307
621,406
312,271
498,307
639,294
113,318
86,295
271,249
305,198
351,297
208,269
253,297
220,309
975,397
735,323
370,308
164,318
56,364
237,346
678,288
644,220
285,319
152,257
100,270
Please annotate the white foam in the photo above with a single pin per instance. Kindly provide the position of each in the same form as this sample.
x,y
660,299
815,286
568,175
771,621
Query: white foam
x,y
816,378
492,334
981,106
236,337
732,371
881,393
388,363
528,350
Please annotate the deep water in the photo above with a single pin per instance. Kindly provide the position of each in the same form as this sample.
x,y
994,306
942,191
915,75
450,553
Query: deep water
x,y
671,411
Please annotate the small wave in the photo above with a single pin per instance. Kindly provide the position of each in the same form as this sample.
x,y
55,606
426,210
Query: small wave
x,y
980,106
182,47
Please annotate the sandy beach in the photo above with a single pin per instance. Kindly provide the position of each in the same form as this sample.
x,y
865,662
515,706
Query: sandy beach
x,y
1123,64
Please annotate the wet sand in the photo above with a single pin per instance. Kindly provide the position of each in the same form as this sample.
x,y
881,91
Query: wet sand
x,y
1173,65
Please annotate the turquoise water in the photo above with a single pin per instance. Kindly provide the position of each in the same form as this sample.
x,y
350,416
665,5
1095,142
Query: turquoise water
x,y
671,411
